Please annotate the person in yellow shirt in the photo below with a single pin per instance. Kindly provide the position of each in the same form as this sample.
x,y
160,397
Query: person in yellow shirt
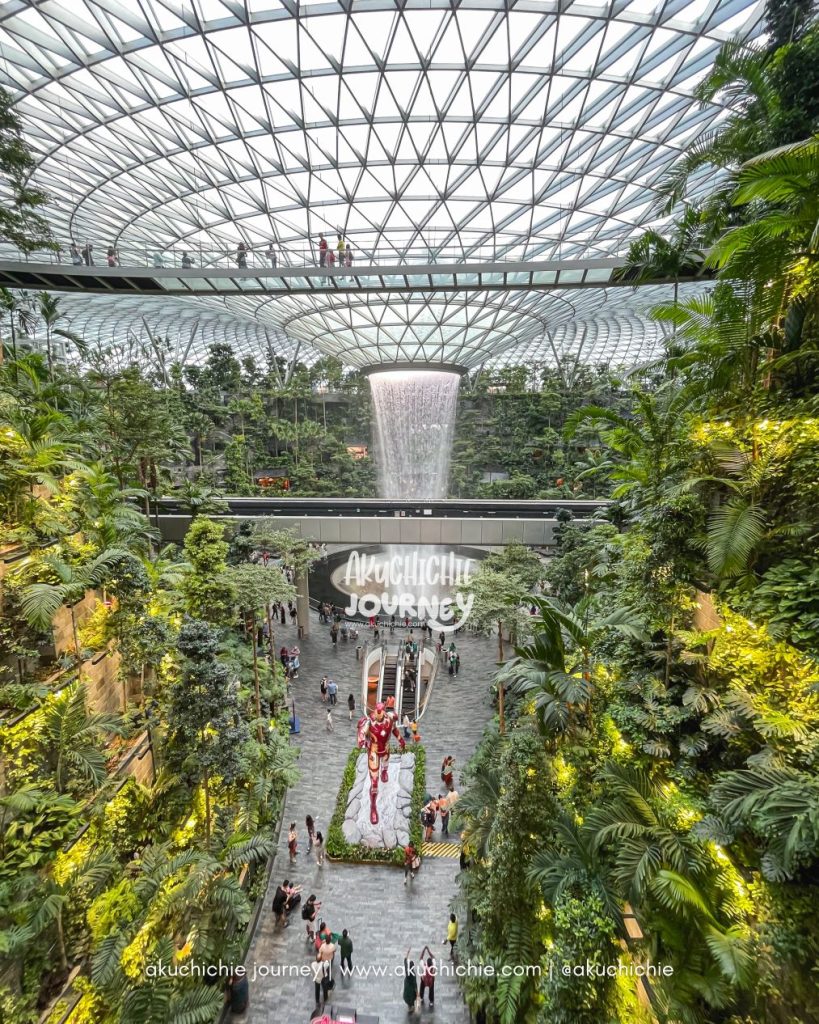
x,y
452,935
340,250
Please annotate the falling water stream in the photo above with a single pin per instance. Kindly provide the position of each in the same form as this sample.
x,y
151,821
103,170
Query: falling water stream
x,y
415,425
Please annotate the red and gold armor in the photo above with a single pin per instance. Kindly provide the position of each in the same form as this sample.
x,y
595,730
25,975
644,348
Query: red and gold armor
x,y
374,733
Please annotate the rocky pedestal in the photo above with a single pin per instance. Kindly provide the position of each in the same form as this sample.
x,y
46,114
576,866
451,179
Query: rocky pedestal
x,y
393,805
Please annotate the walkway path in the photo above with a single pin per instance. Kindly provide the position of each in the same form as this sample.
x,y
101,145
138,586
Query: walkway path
x,y
383,916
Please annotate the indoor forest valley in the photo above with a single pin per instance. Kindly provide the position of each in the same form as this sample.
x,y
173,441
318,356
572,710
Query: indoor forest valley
x,y
409,512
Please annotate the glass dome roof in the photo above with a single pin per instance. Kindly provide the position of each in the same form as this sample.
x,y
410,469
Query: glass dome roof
x,y
537,128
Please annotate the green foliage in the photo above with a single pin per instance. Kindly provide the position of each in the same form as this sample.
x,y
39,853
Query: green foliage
x,y
787,600
206,732
583,933
206,590
20,220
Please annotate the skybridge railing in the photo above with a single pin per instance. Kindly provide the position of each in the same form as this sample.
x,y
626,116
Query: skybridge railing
x,y
259,258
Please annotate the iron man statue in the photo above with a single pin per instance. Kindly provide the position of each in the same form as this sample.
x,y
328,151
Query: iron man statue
x,y
374,732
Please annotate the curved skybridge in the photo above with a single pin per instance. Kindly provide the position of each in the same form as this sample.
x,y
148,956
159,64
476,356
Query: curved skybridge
x,y
216,273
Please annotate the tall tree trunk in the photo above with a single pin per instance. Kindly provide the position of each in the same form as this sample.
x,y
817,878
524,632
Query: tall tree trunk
x,y
74,632
49,356
256,686
271,641
500,640
206,789
61,950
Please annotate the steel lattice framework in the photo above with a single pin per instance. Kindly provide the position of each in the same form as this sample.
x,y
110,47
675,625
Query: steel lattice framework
x,y
538,128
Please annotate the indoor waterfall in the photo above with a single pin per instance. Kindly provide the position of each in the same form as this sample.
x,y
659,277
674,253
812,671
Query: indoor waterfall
x,y
415,423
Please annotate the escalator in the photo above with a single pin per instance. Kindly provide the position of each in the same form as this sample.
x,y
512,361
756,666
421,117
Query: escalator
x,y
409,691
389,678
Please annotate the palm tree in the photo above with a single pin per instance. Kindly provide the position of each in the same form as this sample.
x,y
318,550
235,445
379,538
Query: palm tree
x,y
89,876
540,674
51,314
572,861
555,668
477,807
663,871
38,446
191,893
741,77
643,840
108,516
583,625
780,804
653,256
201,500
649,444
40,601
69,739
777,247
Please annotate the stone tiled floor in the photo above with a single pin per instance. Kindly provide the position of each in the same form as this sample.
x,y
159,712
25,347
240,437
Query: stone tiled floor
x,y
383,916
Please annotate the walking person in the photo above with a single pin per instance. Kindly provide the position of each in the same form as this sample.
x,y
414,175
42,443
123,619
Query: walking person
x,y
332,692
334,633
309,914
88,255
447,770
322,247
292,842
187,262
76,255
410,993
443,810
340,250
411,862
351,705
237,992
241,256
348,256
321,981
428,820
311,832
451,935
457,662
329,719
282,617
323,687
319,849
272,256
405,724
345,945
428,976
112,257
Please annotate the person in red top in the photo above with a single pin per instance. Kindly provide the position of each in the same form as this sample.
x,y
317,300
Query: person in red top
x,y
410,858
322,251
428,973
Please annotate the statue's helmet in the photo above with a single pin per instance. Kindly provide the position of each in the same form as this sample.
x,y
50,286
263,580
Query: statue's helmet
x,y
379,708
